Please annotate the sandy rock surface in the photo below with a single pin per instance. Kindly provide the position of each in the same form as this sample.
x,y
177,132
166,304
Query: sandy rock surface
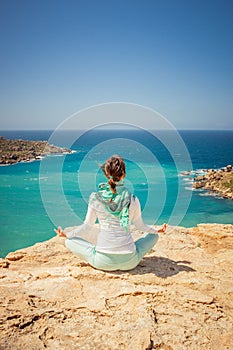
x,y
179,297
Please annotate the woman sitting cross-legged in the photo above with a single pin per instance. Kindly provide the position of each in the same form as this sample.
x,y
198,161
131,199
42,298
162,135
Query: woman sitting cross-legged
x,y
115,208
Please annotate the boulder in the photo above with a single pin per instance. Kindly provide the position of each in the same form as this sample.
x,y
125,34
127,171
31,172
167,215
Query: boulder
x,y
199,184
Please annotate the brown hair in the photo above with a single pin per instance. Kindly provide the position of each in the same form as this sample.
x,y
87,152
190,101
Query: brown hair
x,y
114,169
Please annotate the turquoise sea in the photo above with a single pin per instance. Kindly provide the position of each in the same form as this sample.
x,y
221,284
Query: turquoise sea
x,y
38,195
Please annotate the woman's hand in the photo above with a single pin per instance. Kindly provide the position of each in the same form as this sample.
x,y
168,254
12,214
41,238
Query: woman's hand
x,y
60,232
163,228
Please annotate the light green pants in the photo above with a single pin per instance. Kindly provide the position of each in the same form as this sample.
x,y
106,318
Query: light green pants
x,y
111,262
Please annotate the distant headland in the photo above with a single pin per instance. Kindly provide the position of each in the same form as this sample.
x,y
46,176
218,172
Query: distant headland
x,y
215,181
15,151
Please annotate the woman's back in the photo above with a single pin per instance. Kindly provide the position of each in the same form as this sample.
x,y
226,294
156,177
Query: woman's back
x,y
112,237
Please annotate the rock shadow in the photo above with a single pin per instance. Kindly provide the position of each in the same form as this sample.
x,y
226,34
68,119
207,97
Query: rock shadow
x,y
160,267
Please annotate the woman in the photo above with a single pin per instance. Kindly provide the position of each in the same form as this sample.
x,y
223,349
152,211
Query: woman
x,y
115,208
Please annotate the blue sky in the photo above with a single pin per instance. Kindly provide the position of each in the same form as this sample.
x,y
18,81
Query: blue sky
x,y
57,57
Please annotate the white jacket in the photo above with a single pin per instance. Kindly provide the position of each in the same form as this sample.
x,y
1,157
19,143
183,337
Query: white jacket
x,y
112,238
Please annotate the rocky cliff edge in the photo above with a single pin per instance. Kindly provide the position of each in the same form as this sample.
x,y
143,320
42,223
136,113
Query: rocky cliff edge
x,y
179,297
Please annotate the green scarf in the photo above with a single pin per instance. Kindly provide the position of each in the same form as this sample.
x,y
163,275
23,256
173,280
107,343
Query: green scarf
x,y
116,203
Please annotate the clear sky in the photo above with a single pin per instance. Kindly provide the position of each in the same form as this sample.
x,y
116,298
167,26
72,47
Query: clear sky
x,y
57,57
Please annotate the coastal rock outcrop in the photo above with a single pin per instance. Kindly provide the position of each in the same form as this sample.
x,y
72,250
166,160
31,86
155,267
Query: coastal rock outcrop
x,y
218,181
179,297
14,151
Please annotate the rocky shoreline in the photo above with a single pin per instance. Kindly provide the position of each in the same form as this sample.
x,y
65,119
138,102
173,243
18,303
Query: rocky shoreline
x,y
179,297
15,151
216,181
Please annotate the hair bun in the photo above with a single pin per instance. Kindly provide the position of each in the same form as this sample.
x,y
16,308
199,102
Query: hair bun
x,y
114,170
